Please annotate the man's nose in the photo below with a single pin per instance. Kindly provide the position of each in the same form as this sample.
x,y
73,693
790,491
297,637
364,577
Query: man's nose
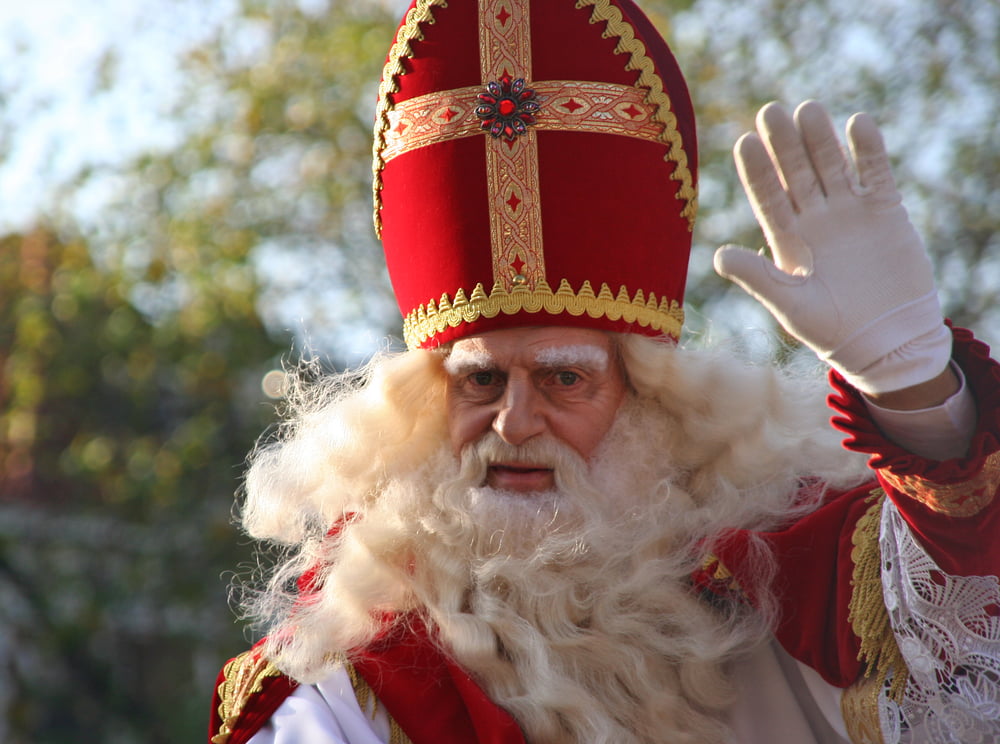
x,y
520,416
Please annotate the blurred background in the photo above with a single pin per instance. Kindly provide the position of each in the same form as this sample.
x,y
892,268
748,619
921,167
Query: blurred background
x,y
185,203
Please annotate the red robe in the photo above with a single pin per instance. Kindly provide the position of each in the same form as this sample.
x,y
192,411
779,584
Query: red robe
x,y
950,507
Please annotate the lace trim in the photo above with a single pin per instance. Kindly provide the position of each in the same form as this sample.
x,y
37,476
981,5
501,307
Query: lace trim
x,y
948,631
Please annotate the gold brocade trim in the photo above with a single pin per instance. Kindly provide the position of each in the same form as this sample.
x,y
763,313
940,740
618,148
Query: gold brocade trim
x,y
568,106
515,211
422,12
964,499
368,702
867,612
665,316
859,709
603,10
243,676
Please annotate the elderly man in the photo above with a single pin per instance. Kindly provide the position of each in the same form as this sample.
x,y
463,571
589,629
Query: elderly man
x,y
546,521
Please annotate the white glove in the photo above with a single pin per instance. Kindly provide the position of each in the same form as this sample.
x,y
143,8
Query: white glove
x,y
850,277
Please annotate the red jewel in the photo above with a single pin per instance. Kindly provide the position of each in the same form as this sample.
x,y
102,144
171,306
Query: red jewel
x,y
506,107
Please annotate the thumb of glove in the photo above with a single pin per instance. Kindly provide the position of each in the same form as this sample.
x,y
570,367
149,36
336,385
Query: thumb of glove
x,y
799,304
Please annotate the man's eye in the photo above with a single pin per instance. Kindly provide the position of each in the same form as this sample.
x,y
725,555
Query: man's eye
x,y
483,378
567,378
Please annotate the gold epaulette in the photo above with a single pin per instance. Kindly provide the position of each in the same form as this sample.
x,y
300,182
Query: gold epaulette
x,y
242,677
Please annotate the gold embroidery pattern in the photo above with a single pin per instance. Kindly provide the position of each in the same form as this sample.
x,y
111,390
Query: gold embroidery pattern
x,y
422,12
859,709
866,612
242,677
568,106
602,10
368,703
665,316
511,164
964,499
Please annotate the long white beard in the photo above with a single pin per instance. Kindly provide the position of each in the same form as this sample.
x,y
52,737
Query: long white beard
x,y
572,607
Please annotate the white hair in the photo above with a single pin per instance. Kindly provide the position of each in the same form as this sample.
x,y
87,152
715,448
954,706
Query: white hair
x,y
573,609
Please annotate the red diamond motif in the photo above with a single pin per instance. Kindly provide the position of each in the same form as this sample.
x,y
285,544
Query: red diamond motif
x,y
572,106
449,114
513,203
518,265
402,127
502,16
633,111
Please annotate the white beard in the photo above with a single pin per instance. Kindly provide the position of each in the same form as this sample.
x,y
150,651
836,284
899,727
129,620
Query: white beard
x,y
572,607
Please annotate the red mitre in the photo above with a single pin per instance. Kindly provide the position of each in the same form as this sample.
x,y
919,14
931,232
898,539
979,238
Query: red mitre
x,y
535,164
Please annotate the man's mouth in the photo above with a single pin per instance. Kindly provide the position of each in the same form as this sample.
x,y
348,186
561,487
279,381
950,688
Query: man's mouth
x,y
520,477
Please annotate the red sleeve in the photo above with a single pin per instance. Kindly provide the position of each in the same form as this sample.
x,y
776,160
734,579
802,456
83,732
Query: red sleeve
x,y
951,505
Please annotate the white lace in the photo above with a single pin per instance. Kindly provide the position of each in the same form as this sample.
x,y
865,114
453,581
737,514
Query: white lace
x,y
948,630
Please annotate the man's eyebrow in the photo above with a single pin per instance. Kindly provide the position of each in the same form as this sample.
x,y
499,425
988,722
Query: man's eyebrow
x,y
581,355
460,361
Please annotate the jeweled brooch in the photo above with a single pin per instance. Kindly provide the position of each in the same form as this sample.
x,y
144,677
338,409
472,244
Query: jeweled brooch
x,y
507,108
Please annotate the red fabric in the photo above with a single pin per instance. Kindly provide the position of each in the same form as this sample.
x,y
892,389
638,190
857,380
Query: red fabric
x,y
257,710
960,546
813,585
428,695
610,212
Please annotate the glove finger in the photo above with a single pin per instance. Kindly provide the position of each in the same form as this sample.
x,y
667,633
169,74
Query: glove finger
x,y
871,160
783,141
771,205
823,146
757,275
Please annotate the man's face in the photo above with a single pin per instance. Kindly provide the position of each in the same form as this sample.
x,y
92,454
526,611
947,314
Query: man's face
x,y
531,383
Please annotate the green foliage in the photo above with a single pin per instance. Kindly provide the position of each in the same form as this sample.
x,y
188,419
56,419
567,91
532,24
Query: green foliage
x,y
120,442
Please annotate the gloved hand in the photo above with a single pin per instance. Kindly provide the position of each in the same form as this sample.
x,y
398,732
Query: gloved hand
x,y
850,277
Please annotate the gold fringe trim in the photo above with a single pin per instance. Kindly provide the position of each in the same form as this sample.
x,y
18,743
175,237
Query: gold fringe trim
x,y
867,613
603,10
368,703
409,31
242,677
665,316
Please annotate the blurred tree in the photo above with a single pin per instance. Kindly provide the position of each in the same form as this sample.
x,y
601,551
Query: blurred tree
x,y
120,447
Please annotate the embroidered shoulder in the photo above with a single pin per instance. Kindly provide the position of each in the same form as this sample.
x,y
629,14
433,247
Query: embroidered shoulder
x,y
242,678
963,499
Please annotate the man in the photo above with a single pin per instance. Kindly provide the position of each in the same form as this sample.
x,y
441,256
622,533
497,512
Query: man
x,y
546,522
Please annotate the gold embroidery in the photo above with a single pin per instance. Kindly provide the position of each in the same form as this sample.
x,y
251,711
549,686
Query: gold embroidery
x,y
568,106
603,10
665,316
422,12
964,499
242,677
367,700
859,708
866,612
511,164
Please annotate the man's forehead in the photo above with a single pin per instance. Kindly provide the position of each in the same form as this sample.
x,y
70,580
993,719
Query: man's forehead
x,y
540,346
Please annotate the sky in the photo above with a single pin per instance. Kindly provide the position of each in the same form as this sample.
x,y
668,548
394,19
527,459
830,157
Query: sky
x,y
52,53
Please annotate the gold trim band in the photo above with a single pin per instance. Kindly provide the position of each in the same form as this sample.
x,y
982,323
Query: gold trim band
x,y
567,106
665,316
